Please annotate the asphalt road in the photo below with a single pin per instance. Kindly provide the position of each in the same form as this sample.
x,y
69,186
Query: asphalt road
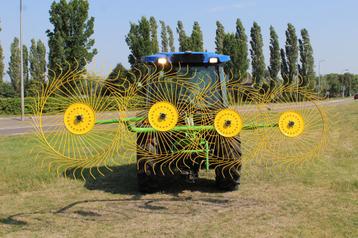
x,y
14,126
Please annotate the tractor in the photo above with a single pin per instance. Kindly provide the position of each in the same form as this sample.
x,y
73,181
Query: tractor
x,y
195,66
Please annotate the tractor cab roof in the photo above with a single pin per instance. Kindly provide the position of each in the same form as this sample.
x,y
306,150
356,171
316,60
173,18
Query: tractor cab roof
x,y
187,57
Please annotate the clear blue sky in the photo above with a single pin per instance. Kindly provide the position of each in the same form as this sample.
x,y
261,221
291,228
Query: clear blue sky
x,y
332,24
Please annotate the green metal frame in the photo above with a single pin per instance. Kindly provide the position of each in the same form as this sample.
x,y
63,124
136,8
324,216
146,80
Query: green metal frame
x,y
129,121
135,129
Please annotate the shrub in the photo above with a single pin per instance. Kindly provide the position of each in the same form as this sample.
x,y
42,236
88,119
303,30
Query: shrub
x,y
12,106
6,90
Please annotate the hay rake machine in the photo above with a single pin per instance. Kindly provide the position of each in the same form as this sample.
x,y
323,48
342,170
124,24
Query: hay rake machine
x,y
178,113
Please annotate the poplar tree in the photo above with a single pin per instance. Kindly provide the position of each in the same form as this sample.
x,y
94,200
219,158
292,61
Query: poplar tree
x,y
14,65
25,68
196,38
231,49
184,40
139,41
219,38
291,52
171,39
234,45
1,62
154,34
37,60
257,57
242,61
284,67
306,69
275,55
164,36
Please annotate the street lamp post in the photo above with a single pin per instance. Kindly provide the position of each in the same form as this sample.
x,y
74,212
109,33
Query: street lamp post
x,y
21,68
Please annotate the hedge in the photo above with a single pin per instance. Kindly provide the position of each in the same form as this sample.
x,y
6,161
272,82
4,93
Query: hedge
x,y
12,106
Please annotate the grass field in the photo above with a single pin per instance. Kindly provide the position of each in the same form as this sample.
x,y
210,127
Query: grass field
x,y
318,200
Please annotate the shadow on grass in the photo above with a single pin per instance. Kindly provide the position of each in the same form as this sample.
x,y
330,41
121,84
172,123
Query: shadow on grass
x,y
123,180
12,221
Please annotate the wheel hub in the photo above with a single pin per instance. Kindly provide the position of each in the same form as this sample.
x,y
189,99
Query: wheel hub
x,y
291,124
79,118
163,116
228,123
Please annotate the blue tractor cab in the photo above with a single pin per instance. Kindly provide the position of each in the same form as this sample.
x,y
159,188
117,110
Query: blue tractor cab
x,y
200,68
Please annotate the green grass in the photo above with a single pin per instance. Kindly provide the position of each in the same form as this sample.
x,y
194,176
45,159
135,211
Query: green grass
x,y
319,199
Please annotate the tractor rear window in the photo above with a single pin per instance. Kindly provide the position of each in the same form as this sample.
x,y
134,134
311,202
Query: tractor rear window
x,y
204,77
201,78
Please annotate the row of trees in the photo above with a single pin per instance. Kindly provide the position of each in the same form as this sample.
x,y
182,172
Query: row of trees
x,y
338,85
294,59
1,61
142,40
70,43
34,69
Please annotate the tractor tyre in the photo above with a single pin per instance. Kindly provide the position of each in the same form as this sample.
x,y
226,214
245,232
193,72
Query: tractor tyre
x,y
228,180
147,181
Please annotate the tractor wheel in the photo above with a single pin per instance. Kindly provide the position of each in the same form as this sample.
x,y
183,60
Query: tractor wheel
x,y
147,181
229,179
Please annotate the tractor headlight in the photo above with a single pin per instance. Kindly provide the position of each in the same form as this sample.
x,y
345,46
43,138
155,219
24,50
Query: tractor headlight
x,y
213,60
162,61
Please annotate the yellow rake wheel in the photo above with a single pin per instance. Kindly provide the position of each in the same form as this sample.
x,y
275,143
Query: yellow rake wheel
x,y
228,123
302,125
163,116
234,114
79,118
167,103
72,139
291,124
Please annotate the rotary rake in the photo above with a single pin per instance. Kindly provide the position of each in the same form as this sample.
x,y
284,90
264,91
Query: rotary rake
x,y
176,114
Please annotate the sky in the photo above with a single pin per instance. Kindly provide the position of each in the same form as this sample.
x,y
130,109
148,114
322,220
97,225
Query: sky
x,y
332,25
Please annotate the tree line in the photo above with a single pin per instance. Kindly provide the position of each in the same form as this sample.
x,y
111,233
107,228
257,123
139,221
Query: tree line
x,y
70,43
34,68
295,58
338,85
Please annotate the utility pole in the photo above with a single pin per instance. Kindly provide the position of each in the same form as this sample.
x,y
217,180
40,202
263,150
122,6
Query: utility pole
x,y
22,68
319,75
350,87
343,86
